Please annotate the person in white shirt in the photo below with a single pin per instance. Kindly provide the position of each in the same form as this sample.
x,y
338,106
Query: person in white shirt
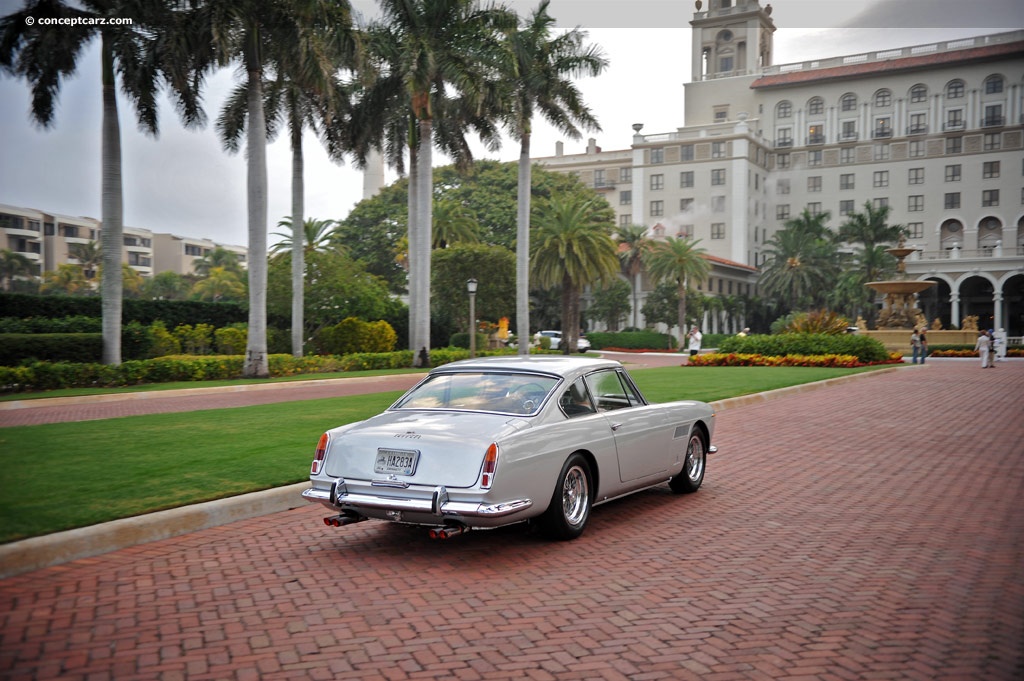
x,y
695,337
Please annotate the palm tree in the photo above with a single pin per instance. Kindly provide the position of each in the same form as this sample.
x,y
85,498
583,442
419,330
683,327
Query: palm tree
x,y
67,278
167,285
796,270
633,244
681,261
140,56
217,257
453,224
303,94
541,68
572,247
870,232
244,32
802,261
317,235
89,255
422,51
11,265
220,283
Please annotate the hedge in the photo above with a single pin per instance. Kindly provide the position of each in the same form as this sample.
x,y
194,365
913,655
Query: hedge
x,y
171,312
54,375
54,347
864,348
631,340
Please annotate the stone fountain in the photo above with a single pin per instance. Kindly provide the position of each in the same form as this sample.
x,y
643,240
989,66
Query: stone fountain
x,y
900,307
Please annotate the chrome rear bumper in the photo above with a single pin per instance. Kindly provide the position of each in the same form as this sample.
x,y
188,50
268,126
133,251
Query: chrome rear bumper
x,y
438,505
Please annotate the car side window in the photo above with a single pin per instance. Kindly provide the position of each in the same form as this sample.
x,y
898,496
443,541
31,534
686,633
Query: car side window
x,y
575,401
611,392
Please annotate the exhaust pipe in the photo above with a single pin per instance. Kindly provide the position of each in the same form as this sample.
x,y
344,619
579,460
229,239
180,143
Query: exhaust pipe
x,y
448,531
342,520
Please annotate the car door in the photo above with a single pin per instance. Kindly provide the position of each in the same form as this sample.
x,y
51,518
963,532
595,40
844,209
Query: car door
x,y
642,438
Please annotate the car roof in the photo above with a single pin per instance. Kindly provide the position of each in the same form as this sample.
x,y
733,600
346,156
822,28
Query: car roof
x,y
560,365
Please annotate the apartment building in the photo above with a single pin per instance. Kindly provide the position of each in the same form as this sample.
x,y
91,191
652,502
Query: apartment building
x,y
46,240
936,132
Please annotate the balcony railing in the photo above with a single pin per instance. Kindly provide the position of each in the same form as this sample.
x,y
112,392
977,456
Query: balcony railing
x,y
953,125
993,121
783,143
848,137
882,133
815,139
917,129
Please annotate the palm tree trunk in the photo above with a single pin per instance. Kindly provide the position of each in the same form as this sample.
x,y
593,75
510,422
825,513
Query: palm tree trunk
x,y
568,318
682,312
424,217
256,365
412,258
298,237
112,287
523,248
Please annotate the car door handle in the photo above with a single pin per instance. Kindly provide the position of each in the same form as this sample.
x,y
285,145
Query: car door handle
x,y
616,426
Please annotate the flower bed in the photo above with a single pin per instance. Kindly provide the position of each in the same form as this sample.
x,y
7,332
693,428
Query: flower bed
x,y
734,359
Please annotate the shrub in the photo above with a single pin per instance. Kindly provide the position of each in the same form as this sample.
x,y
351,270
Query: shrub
x,y
353,335
632,340
231,340
864,348
461,340
817,321
162,341
194,340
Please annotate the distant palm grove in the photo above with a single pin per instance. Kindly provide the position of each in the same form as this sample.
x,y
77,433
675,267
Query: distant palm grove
x,y
422,75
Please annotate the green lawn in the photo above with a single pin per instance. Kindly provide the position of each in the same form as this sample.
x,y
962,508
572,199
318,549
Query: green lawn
x,y
61,476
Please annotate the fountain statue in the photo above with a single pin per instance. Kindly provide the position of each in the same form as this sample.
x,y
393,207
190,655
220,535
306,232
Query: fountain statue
x,y
900,307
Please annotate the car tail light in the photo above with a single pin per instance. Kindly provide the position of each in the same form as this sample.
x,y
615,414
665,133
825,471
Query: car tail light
x,y
490,463
321,454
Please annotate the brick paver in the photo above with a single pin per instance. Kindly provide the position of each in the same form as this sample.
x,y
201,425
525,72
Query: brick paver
x,y
867,530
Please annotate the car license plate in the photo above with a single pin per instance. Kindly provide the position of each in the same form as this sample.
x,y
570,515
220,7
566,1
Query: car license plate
x,y
396,461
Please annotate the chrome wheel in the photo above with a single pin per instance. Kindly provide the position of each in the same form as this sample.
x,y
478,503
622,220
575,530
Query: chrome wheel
x,y
567,514
575,496
695,457
692,474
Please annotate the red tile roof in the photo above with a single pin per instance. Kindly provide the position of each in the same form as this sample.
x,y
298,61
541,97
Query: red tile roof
x,y
866,69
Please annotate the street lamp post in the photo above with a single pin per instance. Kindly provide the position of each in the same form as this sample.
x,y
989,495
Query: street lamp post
x,y
471,287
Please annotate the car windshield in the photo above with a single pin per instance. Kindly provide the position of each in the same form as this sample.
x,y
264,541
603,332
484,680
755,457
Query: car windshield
x,y
507,393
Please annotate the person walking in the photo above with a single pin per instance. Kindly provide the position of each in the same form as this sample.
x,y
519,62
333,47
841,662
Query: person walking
x,y
982,346
924,344
991,349
915,346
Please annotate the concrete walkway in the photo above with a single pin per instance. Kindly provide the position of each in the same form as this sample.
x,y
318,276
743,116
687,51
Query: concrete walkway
x,y
868,529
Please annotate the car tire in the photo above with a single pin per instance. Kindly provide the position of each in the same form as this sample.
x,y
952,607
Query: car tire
x,y
569,510
692,475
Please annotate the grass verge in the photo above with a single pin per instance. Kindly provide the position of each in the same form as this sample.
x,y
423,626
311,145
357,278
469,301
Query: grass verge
x,y
65,475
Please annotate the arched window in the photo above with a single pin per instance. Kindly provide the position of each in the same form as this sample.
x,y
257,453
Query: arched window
x,y
848,102
883,98
993,85
815,106
951,234
990,232
955,89
919,93
784,109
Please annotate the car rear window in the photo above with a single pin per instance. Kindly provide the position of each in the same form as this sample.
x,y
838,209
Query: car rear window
x,y
507,393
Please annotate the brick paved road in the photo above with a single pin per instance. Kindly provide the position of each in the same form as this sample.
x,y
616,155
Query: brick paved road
x,y
869,530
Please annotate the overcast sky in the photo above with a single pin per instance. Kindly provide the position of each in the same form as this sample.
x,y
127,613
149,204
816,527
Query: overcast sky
x,y
185,183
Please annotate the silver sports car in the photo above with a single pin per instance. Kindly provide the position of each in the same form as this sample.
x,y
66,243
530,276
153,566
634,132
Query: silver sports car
x,y
489,442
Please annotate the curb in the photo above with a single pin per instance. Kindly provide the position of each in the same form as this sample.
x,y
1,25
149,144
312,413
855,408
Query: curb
x,y
63,547
85,542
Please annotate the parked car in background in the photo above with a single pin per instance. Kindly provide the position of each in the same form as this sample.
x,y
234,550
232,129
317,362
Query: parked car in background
x,y
488,442
582,344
